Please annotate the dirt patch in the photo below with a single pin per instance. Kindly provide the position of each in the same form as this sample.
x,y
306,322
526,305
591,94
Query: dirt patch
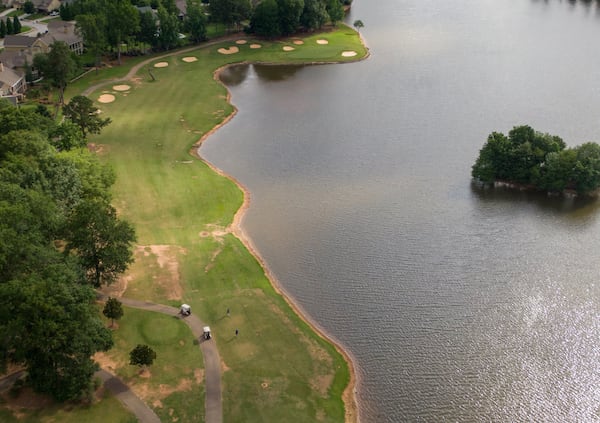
x,y
166,258
27,399
152,394
121,87
230,50
106,98
288,48
322,41
321,384
190,59
199,375
161,64
157,404
107,362
255,46
349,53
224,367
99,149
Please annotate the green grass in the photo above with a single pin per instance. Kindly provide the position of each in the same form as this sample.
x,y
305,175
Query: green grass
x,y
277,369
172,384
17,12
107,410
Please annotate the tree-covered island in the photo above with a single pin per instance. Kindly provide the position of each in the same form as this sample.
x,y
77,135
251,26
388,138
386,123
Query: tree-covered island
x,y
536,160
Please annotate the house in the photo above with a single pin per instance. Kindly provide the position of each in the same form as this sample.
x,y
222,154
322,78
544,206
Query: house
x,y
33,45
12,85
44,6
67,33
19,51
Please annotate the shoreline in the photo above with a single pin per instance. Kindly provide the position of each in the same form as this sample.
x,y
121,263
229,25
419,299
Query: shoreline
x,y
351,408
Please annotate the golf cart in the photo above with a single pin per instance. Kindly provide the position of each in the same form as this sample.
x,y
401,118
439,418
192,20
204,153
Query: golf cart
x,y
206,332
185,310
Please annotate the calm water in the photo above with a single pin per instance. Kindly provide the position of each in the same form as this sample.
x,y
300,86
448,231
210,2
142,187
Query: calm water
x,y
457,304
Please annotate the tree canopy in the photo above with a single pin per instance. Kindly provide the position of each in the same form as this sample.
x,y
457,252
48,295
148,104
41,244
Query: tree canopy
x,y
538,160
48,320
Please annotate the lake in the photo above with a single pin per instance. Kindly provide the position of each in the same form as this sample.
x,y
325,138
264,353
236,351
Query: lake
x,y
457,304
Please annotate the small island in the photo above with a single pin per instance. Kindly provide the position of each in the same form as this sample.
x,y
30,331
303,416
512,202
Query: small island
x,y
539,161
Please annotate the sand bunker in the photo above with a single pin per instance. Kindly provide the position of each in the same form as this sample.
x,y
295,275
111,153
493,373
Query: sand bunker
x,y
190,59
121,87
288,48
322,41
241,42
161,64
298,42
106,98
255,46
230,50
349,53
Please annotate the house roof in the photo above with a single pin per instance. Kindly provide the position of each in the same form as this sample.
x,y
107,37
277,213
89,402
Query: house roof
x,y
8,78
18,41
16,59
62,31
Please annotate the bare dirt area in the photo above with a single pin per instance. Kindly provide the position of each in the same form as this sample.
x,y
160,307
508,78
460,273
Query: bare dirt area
x,y
165,256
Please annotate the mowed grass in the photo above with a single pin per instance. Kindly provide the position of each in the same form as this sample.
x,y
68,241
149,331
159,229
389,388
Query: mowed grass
x,y
15,410
277,368
173,385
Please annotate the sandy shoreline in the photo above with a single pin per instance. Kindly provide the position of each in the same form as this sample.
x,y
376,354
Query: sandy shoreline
x,y
352,414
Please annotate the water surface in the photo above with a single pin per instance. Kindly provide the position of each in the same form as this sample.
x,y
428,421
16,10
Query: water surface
x,y
458,304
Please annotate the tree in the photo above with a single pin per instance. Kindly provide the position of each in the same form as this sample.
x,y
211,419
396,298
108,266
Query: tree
x,y
587,168
100,240
195,22
335,11
148,29
358,24
123,20
58,66
142,355
314,15
113,309
50,325
28,7
16,25
168,33
10,30
265,20
67,136
289,15
93,30
82,112
3,30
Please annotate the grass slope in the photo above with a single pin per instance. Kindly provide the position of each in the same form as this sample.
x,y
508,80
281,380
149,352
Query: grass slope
x,y
278,368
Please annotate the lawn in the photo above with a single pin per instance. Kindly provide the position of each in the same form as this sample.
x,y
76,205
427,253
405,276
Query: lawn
x,y
173,385
29,408
277,368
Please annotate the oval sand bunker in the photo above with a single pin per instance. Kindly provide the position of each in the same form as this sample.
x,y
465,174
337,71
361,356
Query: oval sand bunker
x,y
161,64
349,53
121,87
288,48
106,98
322,41
190,59
255,46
